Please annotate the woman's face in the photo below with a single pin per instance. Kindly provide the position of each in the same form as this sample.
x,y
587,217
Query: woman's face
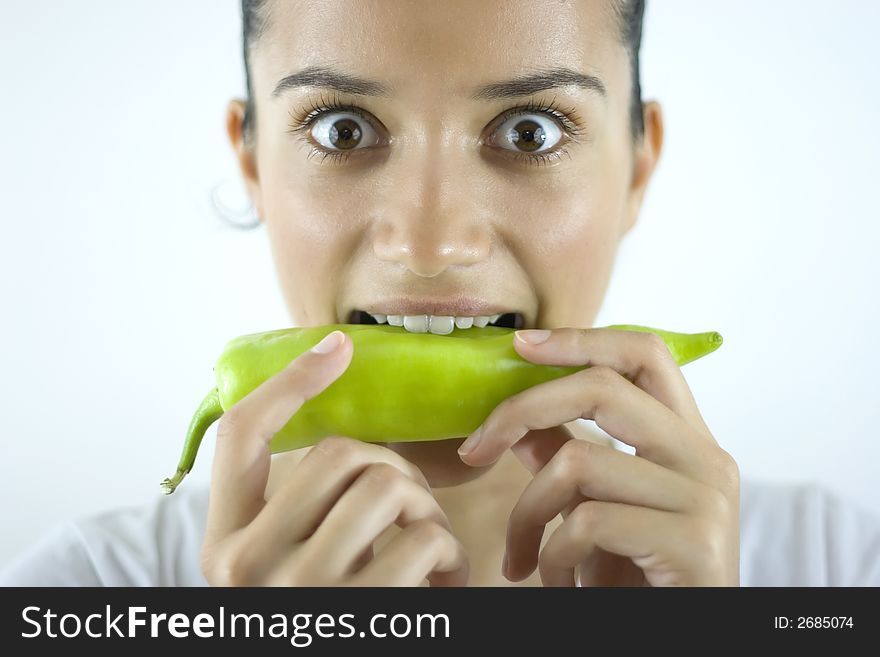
x,y
443,183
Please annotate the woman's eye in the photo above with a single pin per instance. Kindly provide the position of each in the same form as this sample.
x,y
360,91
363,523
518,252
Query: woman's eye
x,y
528,133
343,131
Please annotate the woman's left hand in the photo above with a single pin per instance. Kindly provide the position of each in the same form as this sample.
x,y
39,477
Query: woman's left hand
x,y
666,515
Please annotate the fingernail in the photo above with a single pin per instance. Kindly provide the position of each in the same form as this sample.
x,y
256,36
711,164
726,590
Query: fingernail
x,y
468,445
533,336
504,566
330,342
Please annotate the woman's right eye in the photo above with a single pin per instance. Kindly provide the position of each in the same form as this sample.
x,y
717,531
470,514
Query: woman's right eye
x,y
342,131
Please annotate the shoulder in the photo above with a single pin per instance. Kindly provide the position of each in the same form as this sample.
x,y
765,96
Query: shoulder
x,y
156,544
805,535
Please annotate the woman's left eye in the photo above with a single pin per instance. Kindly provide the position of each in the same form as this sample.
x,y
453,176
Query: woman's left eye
x,y
528,134
343,131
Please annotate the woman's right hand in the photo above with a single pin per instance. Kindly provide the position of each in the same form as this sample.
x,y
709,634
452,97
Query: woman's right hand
x,y
319,526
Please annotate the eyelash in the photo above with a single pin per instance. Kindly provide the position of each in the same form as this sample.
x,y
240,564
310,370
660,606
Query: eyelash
x,y
568,117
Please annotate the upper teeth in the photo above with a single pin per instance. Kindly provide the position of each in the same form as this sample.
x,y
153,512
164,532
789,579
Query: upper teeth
x,y
438,324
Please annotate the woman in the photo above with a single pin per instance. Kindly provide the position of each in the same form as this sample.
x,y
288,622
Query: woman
x,y
438,164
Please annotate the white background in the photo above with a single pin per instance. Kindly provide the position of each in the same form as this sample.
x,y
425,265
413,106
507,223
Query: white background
x,y
120,285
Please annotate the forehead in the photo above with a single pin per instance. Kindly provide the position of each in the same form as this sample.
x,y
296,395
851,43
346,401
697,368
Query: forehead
x,y
453,44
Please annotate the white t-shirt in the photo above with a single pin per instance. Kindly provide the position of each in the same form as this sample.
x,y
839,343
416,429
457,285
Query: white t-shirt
x,y
791,535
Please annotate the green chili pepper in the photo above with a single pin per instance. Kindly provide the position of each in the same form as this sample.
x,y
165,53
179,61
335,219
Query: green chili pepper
x,y
399,386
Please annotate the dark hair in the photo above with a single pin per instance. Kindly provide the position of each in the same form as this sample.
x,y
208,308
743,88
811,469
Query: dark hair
x,y
629,13
254,18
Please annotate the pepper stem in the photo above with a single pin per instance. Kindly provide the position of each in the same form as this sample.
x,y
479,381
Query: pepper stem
x,y
208,412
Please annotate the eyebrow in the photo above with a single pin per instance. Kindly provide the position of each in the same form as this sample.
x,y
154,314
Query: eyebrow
x,y
540,80
323,76
526,85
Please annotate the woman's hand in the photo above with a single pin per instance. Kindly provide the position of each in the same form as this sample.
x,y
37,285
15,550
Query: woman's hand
x,y
319,526
667,515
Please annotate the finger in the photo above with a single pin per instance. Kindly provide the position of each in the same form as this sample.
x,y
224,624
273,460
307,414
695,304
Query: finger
x,y
598,393
422,550
641,357
298,507
381,496
581,469
602,569
237,560
318,482
649,537
242,455
364,558
538,446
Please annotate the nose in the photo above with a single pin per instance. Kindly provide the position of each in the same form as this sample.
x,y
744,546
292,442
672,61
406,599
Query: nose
x,y
433,216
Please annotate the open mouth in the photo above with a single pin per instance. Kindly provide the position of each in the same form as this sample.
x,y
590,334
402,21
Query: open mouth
x,y
438,324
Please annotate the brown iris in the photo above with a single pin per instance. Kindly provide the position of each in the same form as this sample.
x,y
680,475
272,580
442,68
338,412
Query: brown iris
x,y
345,134
527,135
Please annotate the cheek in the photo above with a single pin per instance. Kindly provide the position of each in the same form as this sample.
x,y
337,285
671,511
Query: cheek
x,y
576,224
312,232
573,251
568,246
311,210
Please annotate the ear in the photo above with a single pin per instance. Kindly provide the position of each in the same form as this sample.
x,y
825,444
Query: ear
x,y
245,153
647,153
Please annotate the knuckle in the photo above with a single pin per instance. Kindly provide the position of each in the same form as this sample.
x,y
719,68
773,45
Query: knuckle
x,y
727,470
389,480
601,375
407,468
296,574
708,544
206,562
292,579
584,518
654,346
347,452
231,421
714,504
730,468
231,569
428,533
573,458
420,477
338,449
